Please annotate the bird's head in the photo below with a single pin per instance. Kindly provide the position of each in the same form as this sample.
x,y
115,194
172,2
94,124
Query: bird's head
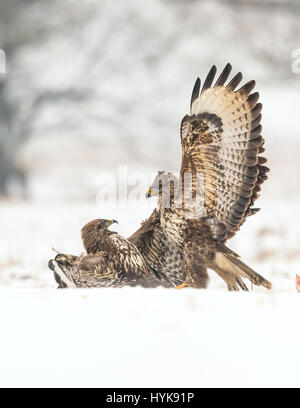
x,y
163,186
93,231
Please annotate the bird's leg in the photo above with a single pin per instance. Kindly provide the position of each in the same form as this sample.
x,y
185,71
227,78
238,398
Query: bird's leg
x,y
187,283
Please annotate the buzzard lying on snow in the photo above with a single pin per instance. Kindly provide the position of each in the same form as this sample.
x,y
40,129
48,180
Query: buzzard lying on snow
x,y
220,178
111,261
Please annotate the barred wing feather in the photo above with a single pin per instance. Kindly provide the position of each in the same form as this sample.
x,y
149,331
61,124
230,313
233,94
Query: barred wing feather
x,y
221,139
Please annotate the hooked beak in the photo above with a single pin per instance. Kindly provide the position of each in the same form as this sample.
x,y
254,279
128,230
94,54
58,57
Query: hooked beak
x,y
148,194
110,222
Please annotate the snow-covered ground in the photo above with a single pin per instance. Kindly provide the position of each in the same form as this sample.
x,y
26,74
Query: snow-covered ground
x,y
148,338
145,337
103,84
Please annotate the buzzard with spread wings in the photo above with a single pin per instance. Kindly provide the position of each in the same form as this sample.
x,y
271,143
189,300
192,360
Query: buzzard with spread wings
x,y
220,178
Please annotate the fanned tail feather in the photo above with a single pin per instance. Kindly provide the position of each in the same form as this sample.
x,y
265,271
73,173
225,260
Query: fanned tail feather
x,y
230,263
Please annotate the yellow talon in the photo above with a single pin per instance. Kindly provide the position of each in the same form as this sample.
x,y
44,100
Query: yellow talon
x,y
181,286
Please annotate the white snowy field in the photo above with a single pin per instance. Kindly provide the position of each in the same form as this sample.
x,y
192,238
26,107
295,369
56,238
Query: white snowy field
x,y
135,337
148,338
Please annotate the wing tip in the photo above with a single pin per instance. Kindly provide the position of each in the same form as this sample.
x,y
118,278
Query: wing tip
x,y
224,75
195,92
235,81
209,79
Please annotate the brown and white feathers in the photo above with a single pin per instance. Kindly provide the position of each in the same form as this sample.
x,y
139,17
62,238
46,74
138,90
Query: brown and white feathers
x,y
111,261
221,174
161,255
221,140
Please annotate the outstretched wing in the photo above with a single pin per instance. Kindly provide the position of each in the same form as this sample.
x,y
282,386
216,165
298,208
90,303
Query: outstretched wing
x,y
162,257
62,269
221,140
83,271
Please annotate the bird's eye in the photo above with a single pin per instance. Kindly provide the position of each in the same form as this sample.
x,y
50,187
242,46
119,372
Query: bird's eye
x,y
101,224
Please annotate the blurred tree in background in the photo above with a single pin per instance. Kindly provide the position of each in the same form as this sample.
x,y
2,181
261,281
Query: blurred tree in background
x,y
95,83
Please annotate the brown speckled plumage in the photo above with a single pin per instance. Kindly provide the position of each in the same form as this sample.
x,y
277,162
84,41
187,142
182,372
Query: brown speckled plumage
x,y
228,151
160,254
221,145
111,261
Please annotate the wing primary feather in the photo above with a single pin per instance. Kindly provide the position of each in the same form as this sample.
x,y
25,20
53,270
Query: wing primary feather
x,y
235,81
252,99
256,111
247,88
263,170
253,211
196,91
224,75
254,123
262,160
209,79
254,133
